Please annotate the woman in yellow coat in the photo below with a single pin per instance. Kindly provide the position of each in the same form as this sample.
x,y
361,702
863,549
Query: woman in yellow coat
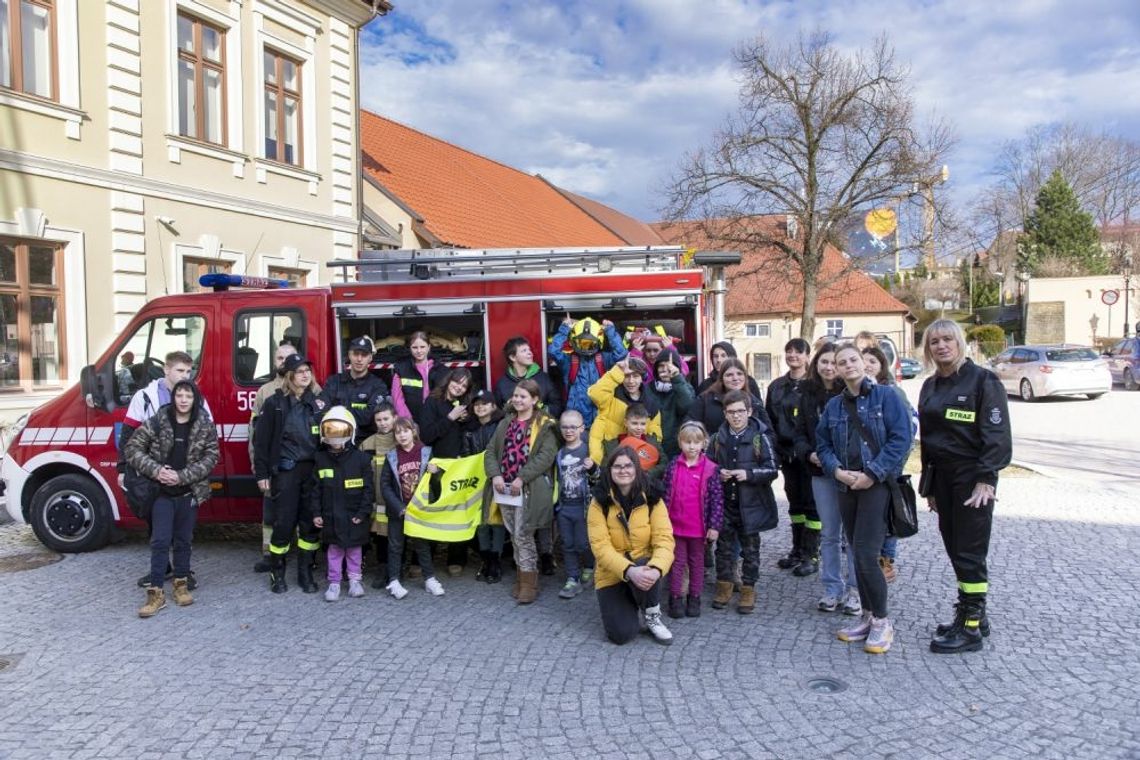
x,y
632,541
612,394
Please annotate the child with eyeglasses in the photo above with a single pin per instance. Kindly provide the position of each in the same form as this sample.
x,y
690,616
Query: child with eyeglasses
x,y
744,447
574,470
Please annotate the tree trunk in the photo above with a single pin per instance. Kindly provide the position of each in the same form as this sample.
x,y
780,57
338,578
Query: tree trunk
x,y
807,316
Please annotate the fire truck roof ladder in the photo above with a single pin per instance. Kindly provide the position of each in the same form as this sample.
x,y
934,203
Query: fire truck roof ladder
x,y
447,263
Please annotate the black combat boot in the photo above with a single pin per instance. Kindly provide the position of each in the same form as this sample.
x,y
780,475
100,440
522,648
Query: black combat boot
x,y
277,574
964,637
495,571
794,557
481,574
305,572
959,618
809,553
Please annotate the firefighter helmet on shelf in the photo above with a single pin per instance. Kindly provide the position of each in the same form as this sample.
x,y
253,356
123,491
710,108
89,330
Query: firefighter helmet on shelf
x,y
586,336
338,427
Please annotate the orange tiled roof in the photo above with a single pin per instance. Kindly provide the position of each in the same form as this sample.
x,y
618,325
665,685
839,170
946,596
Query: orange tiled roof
x,y
764,283
626,227
469,201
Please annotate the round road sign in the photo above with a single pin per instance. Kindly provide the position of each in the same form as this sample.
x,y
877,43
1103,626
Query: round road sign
x,y
1109,297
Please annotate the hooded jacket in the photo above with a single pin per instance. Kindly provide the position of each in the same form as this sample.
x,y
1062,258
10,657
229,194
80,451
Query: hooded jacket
x,y
674,399
709,381
577,395
754,451
619,541
612,399
148,449
550,398
342,489
537,474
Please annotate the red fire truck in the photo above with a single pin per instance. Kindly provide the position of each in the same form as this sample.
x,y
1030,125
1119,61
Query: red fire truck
x,y
59,472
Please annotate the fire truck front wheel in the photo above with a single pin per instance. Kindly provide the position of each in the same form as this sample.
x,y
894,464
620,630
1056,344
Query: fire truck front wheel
x,y
69,513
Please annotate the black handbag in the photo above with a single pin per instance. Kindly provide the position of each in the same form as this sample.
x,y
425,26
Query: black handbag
x,y
902,517
140,491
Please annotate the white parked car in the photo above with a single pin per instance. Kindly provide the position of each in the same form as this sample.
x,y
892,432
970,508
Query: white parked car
x,y
1034,372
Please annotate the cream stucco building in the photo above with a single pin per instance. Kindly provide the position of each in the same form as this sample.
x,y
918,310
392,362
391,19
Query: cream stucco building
x,y
145,142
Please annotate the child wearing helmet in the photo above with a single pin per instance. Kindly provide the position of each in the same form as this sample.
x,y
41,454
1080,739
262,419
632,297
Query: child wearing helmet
x,y
583,351
341,499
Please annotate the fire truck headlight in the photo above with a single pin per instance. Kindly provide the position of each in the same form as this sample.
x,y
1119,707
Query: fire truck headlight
x,y
9,433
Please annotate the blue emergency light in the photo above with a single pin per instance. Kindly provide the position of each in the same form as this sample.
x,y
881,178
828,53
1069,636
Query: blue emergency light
x,y
220,282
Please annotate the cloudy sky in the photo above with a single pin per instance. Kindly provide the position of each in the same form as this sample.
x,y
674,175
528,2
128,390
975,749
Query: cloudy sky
x,y
604,97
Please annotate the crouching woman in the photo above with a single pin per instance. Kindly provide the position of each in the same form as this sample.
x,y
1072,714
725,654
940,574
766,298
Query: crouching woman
x,y
632,541
178,449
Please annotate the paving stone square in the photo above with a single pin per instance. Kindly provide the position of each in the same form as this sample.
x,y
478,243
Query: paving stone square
x,y
247,674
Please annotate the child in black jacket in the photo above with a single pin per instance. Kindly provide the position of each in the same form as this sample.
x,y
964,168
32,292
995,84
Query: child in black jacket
x,y
491,536
341,499
744,447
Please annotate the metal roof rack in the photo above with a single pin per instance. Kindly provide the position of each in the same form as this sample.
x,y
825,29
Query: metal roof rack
x,y
409,265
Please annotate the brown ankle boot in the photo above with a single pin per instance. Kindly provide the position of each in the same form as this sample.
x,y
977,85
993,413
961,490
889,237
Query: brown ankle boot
x,y
182,595
723,595
747,602
528,587
155,601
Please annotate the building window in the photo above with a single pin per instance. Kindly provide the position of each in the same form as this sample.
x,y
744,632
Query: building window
x,y
762,368
27,47
758,330
282,109
297,278
201,80
193,268
32,348
835,328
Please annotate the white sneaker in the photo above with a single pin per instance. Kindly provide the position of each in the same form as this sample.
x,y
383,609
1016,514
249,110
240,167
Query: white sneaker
x,y
333,592
656,626
433,586
355,588
396,589
851,604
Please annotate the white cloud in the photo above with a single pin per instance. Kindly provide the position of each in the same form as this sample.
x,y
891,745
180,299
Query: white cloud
x,y
605,98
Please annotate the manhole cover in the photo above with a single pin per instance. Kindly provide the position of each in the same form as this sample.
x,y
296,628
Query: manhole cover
x,y
14,563
825,685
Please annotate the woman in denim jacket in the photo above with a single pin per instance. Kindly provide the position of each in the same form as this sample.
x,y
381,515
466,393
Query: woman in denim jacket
x,y
862,472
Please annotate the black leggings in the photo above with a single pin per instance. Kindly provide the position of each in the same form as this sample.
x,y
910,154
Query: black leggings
x,y
864,516
620,604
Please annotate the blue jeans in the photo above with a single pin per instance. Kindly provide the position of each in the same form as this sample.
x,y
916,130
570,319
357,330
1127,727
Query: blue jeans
x,y
172,522
575,542
890,548
826,492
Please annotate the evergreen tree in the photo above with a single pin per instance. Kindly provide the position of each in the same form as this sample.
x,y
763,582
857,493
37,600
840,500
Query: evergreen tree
x,y
1058,228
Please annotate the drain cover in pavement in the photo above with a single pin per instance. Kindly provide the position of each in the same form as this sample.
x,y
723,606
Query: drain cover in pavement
x,y
14,563
825,685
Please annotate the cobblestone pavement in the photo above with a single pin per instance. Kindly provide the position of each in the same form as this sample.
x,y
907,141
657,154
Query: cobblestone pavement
x,y
243,673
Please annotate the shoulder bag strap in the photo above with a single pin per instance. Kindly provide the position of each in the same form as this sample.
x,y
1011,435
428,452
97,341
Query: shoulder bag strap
x,y
849,406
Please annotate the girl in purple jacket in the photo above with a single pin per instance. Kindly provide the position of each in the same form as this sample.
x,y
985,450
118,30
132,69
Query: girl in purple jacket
x,y
695,499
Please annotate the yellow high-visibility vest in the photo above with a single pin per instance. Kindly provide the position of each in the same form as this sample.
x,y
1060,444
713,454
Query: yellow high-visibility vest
x,y
457,512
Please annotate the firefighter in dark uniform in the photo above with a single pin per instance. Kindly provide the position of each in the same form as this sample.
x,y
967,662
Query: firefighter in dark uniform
x,y
285,443
966,441
782,403
357,389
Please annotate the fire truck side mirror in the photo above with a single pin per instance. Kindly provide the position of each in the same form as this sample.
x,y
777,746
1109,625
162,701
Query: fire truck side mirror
x,y
96,388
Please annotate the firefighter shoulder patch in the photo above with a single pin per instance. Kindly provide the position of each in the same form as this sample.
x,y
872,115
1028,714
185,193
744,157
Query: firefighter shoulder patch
x,y
995,416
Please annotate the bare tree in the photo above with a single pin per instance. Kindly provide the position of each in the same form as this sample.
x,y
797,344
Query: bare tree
x,y
1102,169
819,135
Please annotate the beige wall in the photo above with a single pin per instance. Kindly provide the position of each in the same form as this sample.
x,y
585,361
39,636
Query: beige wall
x,y
99,168
383,206
781,331
1059,309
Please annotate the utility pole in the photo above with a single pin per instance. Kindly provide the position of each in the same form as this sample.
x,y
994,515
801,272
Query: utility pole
x,y
926,189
